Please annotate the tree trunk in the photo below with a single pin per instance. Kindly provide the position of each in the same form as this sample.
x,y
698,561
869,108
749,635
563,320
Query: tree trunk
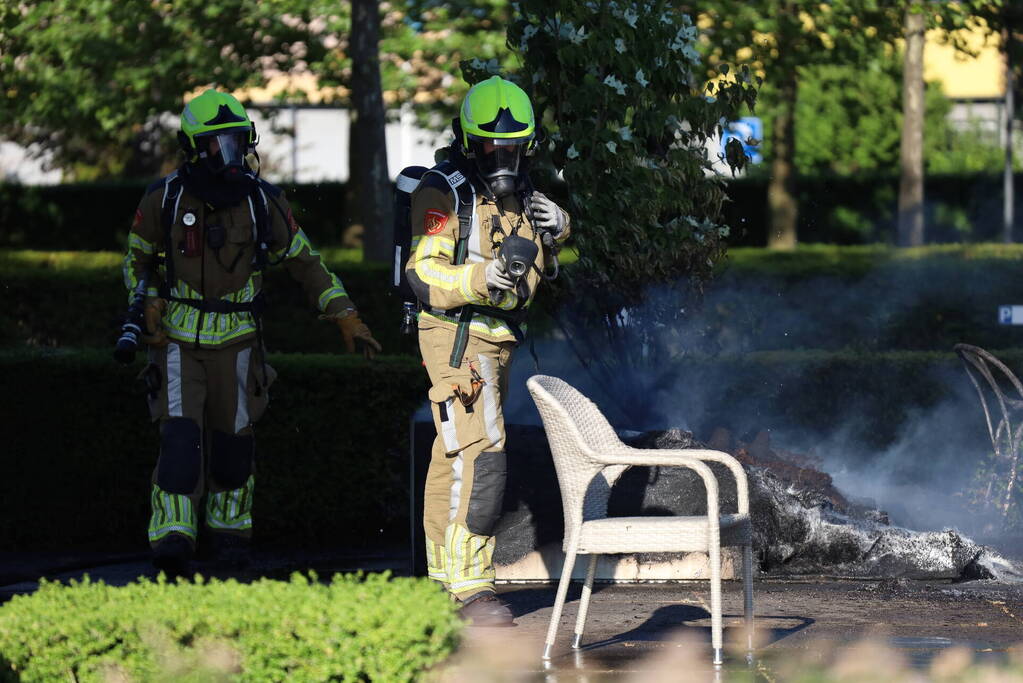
x,y
369,195
781,192
911,183
1008,197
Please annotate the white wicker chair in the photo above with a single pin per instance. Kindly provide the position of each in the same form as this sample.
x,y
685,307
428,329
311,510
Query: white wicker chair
x,y
584,445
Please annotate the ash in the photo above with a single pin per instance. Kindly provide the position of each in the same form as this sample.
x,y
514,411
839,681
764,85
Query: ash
x,y
802,524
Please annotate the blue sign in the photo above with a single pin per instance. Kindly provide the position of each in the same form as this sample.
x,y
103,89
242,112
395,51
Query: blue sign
x,y
746,128
1010,315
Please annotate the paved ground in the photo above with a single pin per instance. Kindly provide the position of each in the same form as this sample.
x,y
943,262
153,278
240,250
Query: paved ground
x,y
652,632
633,630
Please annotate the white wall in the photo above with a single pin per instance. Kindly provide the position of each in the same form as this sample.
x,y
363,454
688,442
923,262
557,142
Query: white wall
x,y
318,149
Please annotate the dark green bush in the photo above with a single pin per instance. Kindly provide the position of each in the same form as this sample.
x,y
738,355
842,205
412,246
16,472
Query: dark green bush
x,y
827,297
97,216
332,468
354,628
77,302
862,210
79,448
840,210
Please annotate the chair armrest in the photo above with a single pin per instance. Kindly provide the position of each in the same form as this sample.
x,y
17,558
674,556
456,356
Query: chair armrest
x,y
729,461
655,457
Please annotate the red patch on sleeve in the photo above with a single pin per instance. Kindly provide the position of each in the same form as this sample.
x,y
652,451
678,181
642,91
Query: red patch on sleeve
x,y
434,221
291,222
138,219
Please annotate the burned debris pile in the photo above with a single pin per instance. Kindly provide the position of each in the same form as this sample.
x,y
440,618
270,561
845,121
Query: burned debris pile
x,y
803,525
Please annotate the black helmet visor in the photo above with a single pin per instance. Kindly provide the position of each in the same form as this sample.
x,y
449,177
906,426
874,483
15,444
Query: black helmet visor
x,y
224,149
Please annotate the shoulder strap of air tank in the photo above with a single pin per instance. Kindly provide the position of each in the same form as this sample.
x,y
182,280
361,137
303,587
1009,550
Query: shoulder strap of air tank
x,y
168,212
465,204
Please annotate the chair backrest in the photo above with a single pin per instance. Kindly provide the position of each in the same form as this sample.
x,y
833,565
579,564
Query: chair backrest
x,y
1004,427
576,430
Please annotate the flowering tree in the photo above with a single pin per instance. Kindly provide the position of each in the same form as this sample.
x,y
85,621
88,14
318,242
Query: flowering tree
x,y
617,85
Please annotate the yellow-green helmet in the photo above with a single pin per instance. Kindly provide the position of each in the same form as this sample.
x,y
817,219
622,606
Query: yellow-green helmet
x,y
496,128
220,117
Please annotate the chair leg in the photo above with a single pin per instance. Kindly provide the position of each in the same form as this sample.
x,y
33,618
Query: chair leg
x,y
559,601
714,556
747,581
584,603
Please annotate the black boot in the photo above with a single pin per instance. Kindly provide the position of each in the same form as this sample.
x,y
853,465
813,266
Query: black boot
x,y
486,609
172,555
229,551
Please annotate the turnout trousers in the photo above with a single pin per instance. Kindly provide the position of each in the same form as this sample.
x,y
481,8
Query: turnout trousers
x,y
468,467
206,401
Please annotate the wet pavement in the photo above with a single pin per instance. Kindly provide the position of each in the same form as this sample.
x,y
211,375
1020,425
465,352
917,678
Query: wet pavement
x,y
646,631
632,630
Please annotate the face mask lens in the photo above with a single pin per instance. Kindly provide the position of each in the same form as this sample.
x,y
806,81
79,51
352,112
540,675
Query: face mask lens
x,y
494,159
224,150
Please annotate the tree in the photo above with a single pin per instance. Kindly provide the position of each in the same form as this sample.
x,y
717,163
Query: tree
x,y
368,188
781,39
90,80
784,39
618,85
380,54
911,156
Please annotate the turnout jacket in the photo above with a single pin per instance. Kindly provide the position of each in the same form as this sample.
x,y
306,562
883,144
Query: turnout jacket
x,y
227,273
440,285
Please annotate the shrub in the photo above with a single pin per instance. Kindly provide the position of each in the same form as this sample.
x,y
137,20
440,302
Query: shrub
x,y
80,449
352,628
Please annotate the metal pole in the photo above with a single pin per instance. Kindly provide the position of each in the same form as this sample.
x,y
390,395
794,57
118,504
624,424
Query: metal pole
x,y
1007,185
294,144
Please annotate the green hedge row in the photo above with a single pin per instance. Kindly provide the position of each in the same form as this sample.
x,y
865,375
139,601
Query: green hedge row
x,y
863,210
332,467
97,216
79,449
873,298
842,210
353,629
78,302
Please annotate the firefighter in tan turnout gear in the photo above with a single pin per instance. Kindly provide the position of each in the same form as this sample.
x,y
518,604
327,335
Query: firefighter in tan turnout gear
x,y
466,214
200,241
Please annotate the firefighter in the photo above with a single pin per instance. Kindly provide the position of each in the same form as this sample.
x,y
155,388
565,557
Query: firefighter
x,y
470,320
201,238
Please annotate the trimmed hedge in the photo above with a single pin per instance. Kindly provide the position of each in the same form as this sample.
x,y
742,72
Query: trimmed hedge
x,y
332,466
353,628
97,216
862,210
51,300
79,450
841,210
875,298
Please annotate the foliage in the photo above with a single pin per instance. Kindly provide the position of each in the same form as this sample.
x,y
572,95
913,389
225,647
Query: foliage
x,y
422,43
617,86
848,121
93,81
331,451
352,628
90,80
784,39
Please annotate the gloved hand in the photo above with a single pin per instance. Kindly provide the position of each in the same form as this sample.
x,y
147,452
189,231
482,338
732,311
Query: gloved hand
x,y
546,214
152,312
353,329
497,277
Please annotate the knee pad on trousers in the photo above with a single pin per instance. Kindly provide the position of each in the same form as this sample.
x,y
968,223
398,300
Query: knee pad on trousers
x,y
490,473
180,456
231,459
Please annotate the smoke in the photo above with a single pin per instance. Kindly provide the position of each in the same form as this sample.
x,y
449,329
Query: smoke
x,y
905,436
